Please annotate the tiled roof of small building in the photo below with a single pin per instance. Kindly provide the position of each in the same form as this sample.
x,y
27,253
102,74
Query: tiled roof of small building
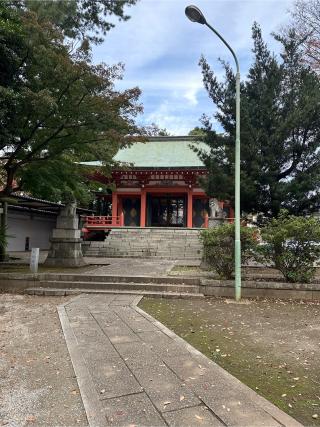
x,y
162,152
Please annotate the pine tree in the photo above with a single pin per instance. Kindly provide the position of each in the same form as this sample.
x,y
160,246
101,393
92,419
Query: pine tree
x,y
280,130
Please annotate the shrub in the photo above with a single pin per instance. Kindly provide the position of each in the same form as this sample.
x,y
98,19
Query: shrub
x,y
293,245
218,247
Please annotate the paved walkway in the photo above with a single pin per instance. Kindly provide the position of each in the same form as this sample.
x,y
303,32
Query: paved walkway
x,y
124,266
133,371
132,266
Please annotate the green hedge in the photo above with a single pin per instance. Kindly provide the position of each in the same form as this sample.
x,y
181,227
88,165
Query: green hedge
x,y
293,245
218,247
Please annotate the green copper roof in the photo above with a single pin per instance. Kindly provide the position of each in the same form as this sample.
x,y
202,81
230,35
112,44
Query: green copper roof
x,y
162,152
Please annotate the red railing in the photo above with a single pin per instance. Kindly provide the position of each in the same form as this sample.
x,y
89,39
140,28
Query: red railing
x,y
102,222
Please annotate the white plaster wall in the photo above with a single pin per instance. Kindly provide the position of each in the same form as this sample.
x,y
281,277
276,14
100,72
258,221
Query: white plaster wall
x,y
23,224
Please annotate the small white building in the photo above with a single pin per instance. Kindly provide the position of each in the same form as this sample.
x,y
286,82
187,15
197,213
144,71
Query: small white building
x,y
31,221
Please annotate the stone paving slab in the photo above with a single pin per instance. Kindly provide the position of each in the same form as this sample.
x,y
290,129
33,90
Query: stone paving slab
x,y
133,371
165,389
134,410
135,355
190,417
112,377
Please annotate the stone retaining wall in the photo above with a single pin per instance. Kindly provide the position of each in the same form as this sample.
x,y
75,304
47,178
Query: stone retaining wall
x,y
13,282
261,289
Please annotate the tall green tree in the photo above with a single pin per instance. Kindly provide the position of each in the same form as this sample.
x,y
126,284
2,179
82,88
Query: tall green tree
x,y
59,108
78,19
280,130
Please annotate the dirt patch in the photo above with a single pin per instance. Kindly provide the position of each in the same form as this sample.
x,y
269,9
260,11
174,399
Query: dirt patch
x,y
272,346
37,381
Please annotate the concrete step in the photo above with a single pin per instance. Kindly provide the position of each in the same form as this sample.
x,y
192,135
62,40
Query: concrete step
x,y
67,291
122,254
112,278
158,287
147,243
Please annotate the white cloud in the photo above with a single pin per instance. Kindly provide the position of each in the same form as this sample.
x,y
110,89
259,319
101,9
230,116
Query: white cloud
x,y
191,96
165,115
161,50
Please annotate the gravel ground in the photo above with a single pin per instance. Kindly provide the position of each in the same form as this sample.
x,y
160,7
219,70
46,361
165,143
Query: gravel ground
x,y
272,346
37,381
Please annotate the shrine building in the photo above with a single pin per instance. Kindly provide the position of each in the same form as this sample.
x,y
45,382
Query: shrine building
x,y
156,185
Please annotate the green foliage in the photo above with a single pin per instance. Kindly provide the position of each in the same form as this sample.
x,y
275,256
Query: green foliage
x,y
58,108
154,130
200,132
81,19
218,245
293,245
56,178
280,131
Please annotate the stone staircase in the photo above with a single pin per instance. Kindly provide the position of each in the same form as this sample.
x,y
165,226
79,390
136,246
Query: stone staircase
x,y
169,243
67,284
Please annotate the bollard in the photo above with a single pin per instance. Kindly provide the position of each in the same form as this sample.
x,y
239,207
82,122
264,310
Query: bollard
x,y
34,260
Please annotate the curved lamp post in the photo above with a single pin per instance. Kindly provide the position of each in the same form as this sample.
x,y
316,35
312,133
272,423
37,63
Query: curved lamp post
x,y
195,15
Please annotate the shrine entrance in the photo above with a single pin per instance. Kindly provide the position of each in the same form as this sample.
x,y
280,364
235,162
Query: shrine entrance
x,y
166,211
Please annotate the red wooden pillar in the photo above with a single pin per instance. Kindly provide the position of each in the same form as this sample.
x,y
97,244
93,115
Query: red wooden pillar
x,y
120,209
206,221
189,209
114,207
143,208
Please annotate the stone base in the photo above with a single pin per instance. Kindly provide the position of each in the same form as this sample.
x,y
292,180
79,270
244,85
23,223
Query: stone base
x,y
64,262
65,253
215,222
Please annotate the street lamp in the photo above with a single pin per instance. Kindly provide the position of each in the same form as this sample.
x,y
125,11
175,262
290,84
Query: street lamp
x,y
195,15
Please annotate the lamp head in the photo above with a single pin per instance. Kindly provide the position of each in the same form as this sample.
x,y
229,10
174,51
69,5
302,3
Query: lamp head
x,y
195,14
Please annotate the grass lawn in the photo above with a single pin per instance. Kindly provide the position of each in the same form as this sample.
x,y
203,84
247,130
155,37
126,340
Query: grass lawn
x,y
272,346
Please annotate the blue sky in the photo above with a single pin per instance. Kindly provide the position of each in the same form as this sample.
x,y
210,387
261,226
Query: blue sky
x,y
161,49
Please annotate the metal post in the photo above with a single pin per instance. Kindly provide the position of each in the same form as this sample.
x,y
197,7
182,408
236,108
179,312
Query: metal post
x,y
195,15
237,247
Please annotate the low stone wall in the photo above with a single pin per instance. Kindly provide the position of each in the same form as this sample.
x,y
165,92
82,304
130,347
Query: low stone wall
x,y
14,282
261,289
